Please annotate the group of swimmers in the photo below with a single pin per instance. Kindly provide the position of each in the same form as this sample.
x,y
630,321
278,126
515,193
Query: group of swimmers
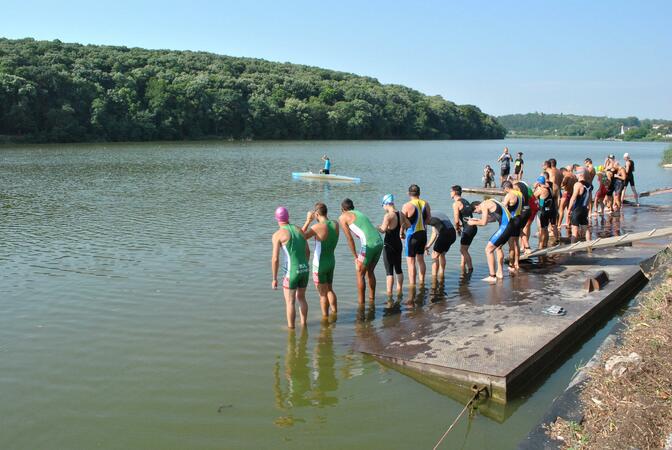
x,y
556,194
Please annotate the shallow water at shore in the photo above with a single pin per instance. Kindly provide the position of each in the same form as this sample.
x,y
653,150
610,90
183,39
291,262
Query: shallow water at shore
x,y
136,309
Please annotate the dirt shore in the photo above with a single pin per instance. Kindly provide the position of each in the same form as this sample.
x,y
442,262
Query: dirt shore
x,y
627,400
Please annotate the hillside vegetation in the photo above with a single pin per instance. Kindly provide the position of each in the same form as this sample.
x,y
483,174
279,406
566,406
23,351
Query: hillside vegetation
x,y
57,92
569,125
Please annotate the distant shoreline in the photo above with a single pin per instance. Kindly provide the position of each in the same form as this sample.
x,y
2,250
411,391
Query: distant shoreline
x,y
580,138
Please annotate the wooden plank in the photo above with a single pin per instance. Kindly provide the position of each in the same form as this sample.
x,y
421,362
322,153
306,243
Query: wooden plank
x,y
483,191
601,243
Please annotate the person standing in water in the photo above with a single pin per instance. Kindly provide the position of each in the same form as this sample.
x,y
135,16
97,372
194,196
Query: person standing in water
x,y
547,210
327,165
326,233
291,239
513,200
371,246
443,237
629,178
418,213
493,211
462,212
505,160
392,247
518,167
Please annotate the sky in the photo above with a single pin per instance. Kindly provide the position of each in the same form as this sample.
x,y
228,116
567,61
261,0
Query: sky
x,y
581,57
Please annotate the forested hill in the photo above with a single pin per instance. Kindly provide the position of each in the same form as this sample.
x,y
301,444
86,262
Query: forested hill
x,y
56,92
569,125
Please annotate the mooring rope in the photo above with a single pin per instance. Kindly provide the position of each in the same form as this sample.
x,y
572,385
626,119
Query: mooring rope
x,y
469,403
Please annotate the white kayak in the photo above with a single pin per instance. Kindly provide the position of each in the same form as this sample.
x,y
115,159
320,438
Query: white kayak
x,y
667,166
323,177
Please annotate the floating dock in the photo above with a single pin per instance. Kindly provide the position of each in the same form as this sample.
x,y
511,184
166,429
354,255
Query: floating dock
x,y
499,335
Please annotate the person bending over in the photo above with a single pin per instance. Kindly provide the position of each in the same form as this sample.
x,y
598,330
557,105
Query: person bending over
x,y
494,211
462,212
443,236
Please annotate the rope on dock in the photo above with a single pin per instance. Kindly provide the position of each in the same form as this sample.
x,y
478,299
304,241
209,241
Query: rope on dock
x,y
477,392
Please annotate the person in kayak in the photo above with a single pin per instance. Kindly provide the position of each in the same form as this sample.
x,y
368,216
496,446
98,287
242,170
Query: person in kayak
x,y
371,246
493,211
578,207
327,165
326,233
462,212
443,237
392,247
418,213
291,239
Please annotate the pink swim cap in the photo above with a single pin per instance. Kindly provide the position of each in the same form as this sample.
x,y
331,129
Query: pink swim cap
x,y
281,214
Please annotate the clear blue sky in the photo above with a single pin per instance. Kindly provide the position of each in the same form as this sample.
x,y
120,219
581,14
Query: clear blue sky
x,y
585,57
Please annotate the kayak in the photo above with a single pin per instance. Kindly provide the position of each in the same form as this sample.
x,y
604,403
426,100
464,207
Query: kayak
x,y
323,177
667,166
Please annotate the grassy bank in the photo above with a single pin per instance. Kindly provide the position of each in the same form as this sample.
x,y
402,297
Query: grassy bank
x,y
632,409
667,156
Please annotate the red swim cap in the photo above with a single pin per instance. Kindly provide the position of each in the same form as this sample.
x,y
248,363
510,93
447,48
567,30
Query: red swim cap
x,y
281,214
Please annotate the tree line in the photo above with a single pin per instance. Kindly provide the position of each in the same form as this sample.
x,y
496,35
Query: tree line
x,y
57,92
569,125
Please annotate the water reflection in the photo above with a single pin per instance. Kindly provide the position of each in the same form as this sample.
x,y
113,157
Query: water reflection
x,y
305,379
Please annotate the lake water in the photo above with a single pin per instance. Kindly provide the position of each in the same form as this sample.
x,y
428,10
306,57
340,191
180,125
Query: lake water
x,y
136,309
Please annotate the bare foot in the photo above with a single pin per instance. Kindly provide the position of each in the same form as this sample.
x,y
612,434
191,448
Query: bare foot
x,y
490,279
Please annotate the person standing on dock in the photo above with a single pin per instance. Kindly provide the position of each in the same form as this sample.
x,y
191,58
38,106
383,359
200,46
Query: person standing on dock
x,y
629,178
462,212
578,207
291,239
590,176
371,246
518,167
326,233
547,211
491,211
392,246
442,238
527,215
505,160
513,200
418,213
327,165
567,186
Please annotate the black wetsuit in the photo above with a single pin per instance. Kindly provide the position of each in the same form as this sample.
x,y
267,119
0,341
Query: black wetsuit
x,y
630,178
526,212
468,231
547,210
445,230
580,208
392,249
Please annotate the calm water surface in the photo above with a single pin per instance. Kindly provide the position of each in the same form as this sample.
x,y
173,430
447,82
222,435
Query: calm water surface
x,y
136,309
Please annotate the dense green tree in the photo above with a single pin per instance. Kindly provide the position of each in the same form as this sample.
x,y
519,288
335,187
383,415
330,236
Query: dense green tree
x,y
51,91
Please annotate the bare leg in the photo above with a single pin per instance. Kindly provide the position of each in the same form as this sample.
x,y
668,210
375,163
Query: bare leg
x,y
333,301
466,258
422,267
323,290
303,305
410,262
435,265
500,263
400,283
442,266
575,233
361,284
389,281
289,307
371,275
490,256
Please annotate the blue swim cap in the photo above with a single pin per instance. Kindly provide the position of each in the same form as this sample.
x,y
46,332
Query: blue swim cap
x,y
388,199
541,180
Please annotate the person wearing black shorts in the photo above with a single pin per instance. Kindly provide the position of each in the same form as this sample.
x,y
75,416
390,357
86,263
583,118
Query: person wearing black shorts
x,y
547,212
629,178
443,236
392,247
505,160
462,212
578,206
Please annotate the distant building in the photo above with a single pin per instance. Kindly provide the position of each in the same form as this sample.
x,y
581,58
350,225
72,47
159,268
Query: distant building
x,y
624,129
655,126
